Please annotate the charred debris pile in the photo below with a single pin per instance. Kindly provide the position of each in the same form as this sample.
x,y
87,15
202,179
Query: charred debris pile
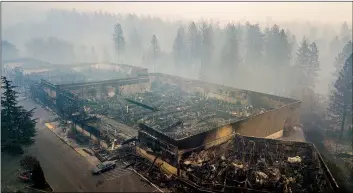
x,y
257,164
243,164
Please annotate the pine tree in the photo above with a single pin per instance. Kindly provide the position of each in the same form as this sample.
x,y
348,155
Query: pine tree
x,y
293,44
340,107
342,57
301,62
282,60
314,67
17,125
119,40
271,45
155,50
306,65
277,50
254,45
345,33
230,52
277,57
193,42
335,46
179,47
284,54
207,48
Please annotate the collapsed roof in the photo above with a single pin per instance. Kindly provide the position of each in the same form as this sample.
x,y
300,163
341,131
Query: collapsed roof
x,y
179,114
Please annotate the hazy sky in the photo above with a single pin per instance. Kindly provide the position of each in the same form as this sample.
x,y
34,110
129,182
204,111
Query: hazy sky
x,y
328,12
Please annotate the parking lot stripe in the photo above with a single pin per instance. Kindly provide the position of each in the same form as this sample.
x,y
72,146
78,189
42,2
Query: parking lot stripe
x,y
116,173
117,170
156,187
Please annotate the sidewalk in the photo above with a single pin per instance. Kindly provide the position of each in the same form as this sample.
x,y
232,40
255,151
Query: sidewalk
x,y
72,143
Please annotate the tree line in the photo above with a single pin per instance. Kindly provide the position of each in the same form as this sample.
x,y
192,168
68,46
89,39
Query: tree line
x,y
230,50
288,68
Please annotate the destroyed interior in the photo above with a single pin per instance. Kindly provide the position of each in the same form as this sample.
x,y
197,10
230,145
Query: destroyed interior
x,y
192,136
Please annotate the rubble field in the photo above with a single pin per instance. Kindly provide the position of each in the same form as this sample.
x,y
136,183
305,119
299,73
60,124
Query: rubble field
x,y
243,164
169,109
257,164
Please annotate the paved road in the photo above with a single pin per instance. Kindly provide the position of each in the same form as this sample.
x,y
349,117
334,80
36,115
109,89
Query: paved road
x,y
67,171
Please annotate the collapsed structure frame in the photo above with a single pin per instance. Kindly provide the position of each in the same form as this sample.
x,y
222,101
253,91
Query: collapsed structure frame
x,y
168,151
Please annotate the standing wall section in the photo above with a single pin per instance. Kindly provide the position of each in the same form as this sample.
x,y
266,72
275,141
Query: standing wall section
x,y
269,123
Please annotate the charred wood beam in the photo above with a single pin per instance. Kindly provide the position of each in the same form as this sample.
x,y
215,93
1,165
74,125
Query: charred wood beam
x,y
141,104
173,125
129,140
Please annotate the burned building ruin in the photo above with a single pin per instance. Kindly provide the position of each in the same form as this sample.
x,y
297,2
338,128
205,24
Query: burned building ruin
x,y
189,128
189,114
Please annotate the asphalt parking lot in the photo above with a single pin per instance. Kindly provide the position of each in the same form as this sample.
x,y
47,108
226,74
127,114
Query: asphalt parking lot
x,y
116,173
67,171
